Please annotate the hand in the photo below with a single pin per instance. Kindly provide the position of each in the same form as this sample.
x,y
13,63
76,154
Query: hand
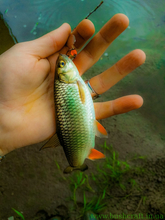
x,y
27,113
101,83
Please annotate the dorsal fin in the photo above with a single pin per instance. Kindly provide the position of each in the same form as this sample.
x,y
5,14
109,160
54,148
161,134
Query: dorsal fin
x,y
52,142
100,130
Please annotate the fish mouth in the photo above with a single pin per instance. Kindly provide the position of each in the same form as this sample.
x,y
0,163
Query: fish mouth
x,y
62,56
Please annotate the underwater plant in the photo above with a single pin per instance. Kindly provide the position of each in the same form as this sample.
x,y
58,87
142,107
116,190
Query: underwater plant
x,y
96,204
91,192
19,213
113,172
113,169
59,170
76,182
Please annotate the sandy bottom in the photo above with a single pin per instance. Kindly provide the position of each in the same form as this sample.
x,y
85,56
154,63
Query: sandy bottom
x,y
30,180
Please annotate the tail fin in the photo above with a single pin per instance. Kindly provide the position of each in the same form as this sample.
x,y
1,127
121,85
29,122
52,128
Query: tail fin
x,y
69,169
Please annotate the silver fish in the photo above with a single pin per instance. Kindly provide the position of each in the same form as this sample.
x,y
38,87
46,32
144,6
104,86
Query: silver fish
x,y
75,116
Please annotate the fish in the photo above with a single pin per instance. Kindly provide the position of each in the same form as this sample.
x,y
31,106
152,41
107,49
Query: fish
x,y
75,117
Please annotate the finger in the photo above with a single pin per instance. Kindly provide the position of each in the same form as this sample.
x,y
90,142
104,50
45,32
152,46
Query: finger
x,y
50,43
83,32
114,74
117,106
99,43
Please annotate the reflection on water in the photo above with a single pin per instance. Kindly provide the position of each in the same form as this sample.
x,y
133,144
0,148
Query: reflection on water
x,y
33,18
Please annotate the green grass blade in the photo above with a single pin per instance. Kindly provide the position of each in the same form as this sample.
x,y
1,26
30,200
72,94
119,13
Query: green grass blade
x,y
114,155
133,182
85,201
93,177
83,181
79,178
57,165
103,196
18,213
144,199
122,186
98,202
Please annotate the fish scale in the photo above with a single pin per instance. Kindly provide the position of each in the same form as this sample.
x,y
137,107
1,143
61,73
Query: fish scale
x,y
74,121
75,117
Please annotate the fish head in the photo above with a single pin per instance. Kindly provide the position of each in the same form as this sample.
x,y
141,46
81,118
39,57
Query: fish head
x,y
66,70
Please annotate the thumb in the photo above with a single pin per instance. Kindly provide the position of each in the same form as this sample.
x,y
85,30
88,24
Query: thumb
x,y
51,42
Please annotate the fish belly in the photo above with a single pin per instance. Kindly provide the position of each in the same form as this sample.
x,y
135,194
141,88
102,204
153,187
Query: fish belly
x,y
75,120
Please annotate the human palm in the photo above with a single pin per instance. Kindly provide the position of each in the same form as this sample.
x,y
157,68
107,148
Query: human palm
x,y
27,113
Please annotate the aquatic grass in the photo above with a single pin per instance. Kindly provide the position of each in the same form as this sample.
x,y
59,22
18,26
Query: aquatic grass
x,y
96,205
113,172
134,185
77,180
106,148
144,199
60,171
135,157
138,170
87,185
18,213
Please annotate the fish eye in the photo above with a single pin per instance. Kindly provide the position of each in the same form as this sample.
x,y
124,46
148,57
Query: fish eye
x,y
61,63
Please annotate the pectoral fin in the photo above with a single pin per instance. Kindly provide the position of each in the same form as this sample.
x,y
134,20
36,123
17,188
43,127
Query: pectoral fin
x,y
81,91
95,154
100,130
52,142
